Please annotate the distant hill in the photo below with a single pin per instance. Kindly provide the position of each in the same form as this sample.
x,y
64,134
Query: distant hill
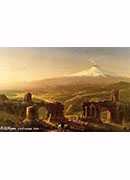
x,y
71,81
73,91
94,76
74,94
91,77
74,104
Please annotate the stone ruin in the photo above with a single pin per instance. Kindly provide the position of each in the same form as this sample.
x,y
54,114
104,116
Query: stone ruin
x,y
28,98
116,111
115,95
55,111
31,119
3,98
27,110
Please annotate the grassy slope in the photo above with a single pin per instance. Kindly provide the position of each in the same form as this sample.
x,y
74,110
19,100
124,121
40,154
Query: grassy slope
x,y
73,96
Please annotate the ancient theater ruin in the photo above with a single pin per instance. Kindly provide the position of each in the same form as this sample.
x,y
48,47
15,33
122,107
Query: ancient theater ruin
x,y
27,111
116,111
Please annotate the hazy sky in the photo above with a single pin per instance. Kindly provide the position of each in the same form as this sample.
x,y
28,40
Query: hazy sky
x,y
27,64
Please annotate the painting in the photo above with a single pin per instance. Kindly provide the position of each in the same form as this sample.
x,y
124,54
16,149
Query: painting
x,y
65,89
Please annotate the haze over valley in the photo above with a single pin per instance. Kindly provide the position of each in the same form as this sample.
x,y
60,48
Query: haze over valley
x,y
69,76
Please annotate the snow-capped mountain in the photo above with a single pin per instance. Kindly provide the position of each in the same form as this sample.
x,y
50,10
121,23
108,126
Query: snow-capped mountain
x,y
94,71
91,77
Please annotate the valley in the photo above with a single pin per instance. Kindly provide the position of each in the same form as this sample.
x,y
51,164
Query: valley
x,y
92,85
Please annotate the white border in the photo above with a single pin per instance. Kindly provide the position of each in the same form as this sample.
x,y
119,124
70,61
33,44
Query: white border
x,y
64,23
50,23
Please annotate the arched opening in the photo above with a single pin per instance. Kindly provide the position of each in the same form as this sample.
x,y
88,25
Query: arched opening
x,y
105,115
42,113
93,111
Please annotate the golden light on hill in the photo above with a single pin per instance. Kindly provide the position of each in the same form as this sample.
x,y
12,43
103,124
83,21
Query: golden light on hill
x,y
28,64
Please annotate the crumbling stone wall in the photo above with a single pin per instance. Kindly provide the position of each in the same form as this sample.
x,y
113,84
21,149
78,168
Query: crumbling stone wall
x,y
118,111
27,110
28,98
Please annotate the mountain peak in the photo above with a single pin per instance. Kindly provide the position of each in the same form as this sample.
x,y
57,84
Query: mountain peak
x,y
93,71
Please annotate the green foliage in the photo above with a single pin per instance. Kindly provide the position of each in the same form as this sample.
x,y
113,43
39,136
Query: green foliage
x,y
7,119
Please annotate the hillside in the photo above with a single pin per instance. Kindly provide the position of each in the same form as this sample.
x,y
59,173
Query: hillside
x,y
91,84
58,83
74,95
91,77
73,98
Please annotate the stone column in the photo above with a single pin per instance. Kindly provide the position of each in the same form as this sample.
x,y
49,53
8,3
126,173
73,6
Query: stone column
x,y
115,95
28,98
31,116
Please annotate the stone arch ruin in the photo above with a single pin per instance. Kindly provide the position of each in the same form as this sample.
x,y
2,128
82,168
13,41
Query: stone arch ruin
x,y
116,110
27,110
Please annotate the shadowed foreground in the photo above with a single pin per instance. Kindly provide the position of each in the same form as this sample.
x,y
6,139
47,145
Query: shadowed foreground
x,y
25,115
